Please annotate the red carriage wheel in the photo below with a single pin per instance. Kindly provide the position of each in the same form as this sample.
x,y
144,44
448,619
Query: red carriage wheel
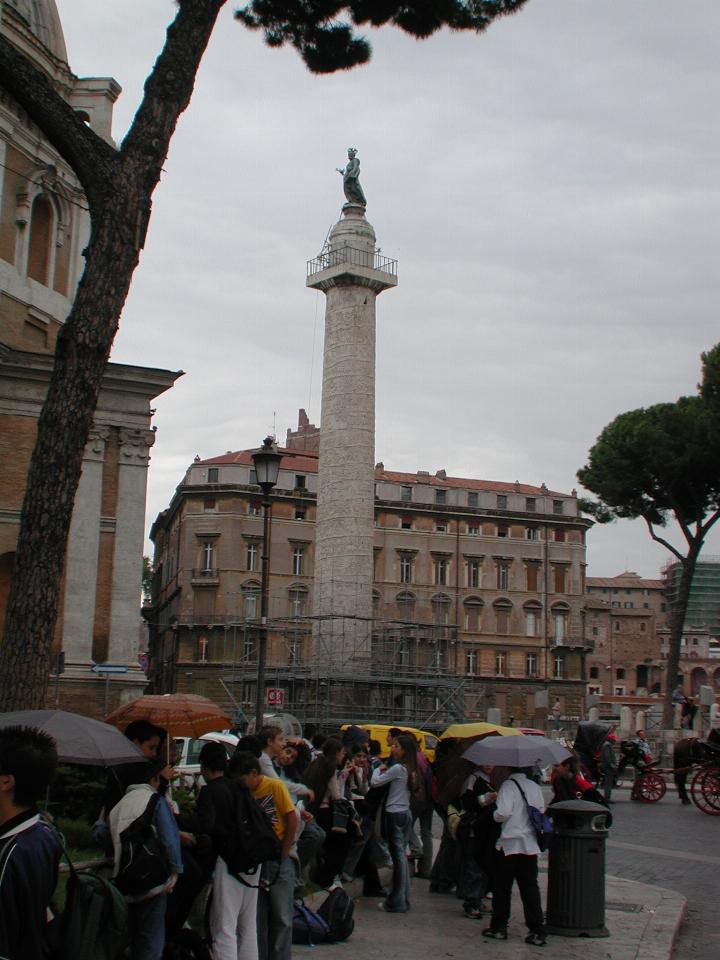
x,y
650,788
705,791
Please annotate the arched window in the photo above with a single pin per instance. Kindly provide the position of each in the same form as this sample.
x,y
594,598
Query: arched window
x,y
503,609
440,605
533,612
472,607
39,244
560,617
406,605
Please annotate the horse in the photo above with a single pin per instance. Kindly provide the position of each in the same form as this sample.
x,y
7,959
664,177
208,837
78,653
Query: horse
x,y
692,750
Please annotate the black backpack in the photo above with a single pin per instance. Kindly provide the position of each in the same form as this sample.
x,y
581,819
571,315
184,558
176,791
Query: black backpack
x,y
143,863
252,840
337,912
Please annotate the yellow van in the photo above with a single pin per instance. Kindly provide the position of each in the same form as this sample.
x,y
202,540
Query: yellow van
x,y
379,731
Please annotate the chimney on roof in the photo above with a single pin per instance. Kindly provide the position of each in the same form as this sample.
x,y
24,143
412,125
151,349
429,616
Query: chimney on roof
x,y
543,487
197,458
422,474
380,465
306,437
441,474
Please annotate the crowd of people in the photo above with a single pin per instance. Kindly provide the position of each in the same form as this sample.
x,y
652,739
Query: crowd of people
x,y
337,808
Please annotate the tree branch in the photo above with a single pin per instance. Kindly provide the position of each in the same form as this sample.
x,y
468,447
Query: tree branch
x,y
88,154
708,523
664,542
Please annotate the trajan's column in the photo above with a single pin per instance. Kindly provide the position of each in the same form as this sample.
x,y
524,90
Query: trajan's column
x,y
351,274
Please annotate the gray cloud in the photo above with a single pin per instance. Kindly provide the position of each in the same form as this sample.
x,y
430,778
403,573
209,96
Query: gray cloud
x,y
549,188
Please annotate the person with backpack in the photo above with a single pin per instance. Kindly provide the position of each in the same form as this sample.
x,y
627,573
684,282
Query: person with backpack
x,y
148,861
277,886
29,849
471,823
403,780
518,858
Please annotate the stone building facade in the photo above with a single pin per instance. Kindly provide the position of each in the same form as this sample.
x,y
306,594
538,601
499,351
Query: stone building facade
x,y
478,596
627,622
44,227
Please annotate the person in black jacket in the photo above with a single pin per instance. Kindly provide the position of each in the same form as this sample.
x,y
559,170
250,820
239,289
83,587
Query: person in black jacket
x,y
29,850
472,825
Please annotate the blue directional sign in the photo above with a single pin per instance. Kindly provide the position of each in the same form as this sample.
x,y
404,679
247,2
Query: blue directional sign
x,y
109,668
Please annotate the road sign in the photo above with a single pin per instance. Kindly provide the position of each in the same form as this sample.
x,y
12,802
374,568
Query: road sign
x,y
275,696
108,668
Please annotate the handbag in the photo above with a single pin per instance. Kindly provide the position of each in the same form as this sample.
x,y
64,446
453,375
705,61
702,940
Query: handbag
x,y
541,822
342,812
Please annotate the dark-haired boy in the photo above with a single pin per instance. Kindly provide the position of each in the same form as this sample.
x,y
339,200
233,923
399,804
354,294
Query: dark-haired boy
x,y
29,850
275,902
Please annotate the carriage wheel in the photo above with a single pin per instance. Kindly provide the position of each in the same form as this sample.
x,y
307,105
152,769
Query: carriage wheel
x,y
650,788
705,791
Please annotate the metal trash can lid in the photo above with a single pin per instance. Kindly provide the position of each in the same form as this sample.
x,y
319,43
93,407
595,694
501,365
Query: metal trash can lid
x,y
582,814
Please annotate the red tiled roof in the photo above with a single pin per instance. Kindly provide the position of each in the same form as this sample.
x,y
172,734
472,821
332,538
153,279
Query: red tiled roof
x,y
625,581
307,462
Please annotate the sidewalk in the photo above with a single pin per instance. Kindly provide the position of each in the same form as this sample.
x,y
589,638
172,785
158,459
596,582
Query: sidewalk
x,y
643,922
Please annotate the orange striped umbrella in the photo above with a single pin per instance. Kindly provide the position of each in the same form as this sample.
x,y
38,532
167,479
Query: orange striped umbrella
x,y
180,714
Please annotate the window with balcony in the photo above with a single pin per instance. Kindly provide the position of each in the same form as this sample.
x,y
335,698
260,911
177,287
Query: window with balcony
x,y
559,535
530,504
557,507
207,554
300,513
440,496
254,508
441,526
472,499
560,624
252,476
251,600
500,664
213,474
473,529
531,665
300,481
406,493
295,650
559,667
531,533
470,662
406,523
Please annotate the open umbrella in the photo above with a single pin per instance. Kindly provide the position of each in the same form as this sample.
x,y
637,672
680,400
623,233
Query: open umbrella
x,y
78,739
180,714
516,751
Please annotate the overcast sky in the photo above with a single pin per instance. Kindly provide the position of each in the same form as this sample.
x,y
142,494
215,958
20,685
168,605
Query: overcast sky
x,y
549,188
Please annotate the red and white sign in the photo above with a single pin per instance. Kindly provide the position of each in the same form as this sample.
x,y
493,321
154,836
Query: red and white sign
x,y
275,696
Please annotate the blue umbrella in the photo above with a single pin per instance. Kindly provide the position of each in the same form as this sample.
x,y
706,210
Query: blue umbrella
x,y
78,739
516,751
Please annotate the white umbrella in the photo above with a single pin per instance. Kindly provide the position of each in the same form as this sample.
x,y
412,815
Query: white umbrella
x,y
78,739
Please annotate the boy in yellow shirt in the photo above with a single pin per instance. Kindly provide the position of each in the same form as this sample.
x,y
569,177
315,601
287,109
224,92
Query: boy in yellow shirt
x,y
275,901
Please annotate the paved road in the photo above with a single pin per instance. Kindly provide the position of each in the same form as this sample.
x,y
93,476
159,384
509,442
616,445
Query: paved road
x,y
669,845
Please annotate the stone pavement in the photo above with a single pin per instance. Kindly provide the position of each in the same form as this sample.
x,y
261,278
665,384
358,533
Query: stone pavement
x,y
643,921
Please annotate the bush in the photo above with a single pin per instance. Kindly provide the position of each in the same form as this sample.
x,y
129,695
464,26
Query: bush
x,y
76,793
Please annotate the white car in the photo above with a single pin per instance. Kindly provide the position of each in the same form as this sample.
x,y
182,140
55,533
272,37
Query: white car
x,y
187,764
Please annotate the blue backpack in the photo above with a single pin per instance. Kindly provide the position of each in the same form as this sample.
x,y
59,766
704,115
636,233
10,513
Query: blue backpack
x,y
308,927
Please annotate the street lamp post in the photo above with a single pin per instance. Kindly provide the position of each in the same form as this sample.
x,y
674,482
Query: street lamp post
x,y
267,467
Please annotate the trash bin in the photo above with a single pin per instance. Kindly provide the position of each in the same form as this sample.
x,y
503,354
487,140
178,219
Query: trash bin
x,y
576,871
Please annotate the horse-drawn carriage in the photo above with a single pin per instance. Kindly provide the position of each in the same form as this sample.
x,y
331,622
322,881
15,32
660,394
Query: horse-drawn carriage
x,y
690,755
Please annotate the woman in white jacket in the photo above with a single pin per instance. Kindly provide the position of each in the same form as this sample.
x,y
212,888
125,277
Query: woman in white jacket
x,y
517,859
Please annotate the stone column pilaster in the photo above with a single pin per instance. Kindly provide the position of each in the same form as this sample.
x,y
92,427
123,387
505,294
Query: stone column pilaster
x,y
126,594
82,555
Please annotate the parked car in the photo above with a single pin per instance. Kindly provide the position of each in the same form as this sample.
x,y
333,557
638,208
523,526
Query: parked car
x,y
187,764
378,731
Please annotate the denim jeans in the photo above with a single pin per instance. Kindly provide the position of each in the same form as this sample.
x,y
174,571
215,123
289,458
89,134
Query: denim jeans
x,y
275,910
398,900
146,921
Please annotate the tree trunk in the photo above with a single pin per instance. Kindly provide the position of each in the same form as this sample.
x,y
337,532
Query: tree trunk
x,y
677,622
119,191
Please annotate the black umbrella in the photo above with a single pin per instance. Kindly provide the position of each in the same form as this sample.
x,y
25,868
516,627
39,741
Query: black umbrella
x,y
78,739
